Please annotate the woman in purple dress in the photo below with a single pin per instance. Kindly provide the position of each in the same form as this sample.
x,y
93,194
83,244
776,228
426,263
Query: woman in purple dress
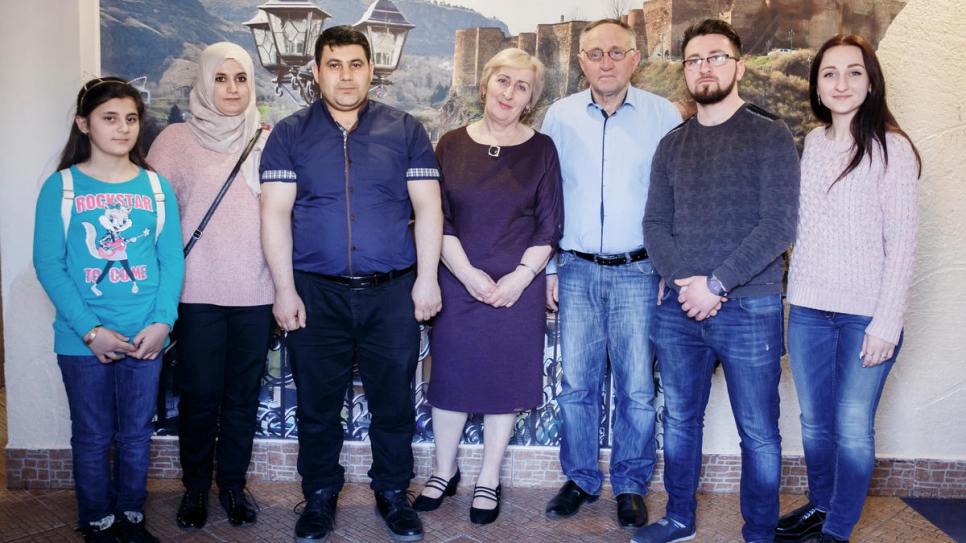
x,y
503,210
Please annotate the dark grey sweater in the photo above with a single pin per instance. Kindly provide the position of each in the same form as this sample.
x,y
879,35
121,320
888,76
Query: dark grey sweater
x,y
723,200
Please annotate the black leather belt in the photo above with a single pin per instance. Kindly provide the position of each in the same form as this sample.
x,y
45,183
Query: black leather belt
x,y
365,282
613,260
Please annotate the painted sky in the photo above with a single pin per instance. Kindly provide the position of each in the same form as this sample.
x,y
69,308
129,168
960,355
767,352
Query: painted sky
x,y
524,15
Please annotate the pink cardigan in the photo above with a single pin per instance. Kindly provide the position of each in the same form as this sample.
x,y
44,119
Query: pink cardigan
x,y
856,242
226,266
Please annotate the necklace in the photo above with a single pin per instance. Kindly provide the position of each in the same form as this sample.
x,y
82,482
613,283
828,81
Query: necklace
x,y
494,150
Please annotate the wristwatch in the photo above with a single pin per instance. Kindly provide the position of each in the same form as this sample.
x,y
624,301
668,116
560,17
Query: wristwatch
x,y
715,287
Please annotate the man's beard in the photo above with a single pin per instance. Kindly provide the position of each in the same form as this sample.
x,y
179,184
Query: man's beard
x,y
712,94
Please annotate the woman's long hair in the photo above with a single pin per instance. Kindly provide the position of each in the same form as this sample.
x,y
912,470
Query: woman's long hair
x,y
873,119
94,93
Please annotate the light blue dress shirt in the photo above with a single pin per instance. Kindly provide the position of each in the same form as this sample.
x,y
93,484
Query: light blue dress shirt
x,y
606,167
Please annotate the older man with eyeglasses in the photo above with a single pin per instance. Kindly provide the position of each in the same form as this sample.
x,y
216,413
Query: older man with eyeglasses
x,y
604,282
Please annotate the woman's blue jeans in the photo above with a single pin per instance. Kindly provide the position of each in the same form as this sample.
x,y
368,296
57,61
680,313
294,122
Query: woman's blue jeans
x,y
110,404
839,399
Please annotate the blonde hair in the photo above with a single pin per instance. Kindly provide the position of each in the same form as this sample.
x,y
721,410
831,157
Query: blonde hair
x,y
517,59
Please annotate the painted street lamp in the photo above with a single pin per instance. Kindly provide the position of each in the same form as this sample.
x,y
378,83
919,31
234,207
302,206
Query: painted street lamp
x,y
386,28
285,32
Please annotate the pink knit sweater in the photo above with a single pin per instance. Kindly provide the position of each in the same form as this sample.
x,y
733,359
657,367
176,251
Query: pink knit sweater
x,y
856,243
226,266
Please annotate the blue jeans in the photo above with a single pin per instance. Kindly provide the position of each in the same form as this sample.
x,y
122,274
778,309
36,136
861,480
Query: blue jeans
x,y
110,404
746,336
839,399
606,311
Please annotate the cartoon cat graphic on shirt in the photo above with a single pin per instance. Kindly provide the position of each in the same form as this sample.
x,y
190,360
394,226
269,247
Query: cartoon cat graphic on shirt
x,y
112,246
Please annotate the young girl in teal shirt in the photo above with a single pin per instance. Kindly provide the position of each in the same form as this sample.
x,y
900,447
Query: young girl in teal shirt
x,y
107,250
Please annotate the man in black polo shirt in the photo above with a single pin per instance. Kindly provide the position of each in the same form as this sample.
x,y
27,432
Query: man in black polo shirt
x,y
339,181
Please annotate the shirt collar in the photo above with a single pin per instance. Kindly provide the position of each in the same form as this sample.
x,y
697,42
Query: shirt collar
x,y
328,114
630,99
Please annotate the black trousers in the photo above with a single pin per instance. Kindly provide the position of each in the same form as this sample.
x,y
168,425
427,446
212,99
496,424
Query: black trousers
x,y
377,326
222,352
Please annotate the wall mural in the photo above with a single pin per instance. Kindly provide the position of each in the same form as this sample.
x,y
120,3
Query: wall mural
x,y
429,54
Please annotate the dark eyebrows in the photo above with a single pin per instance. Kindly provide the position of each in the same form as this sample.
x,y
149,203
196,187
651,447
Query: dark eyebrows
x,y
849,67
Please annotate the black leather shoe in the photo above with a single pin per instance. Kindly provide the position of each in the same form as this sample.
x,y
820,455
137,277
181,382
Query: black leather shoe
x,y
101,531
239,511
826,538
568,501
402,522
193,511
317,519
486,516
631,512
448,488
131,529
800,525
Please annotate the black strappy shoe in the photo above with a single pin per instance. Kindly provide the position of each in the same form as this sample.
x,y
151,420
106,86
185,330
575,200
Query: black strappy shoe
x,y
486,516
448,488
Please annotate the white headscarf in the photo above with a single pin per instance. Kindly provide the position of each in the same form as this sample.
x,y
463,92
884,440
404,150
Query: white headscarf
x,y
217,131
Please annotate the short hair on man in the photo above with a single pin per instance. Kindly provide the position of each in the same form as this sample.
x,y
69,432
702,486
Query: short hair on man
x,y
618,22
712,26
339,36
516,59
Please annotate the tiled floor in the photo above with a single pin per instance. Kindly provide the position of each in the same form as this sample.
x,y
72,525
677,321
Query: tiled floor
x,y
50,516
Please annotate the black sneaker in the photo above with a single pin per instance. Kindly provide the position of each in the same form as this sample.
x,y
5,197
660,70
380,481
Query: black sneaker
x,y
102,531
826,538
401,520
131,529
239,511
800,525
193,511
318,517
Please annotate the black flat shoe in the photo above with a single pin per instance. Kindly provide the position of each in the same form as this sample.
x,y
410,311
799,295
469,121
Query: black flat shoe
x,y
239,511
448,488
402,522
486,516
568,501
631,512
193,511
800,525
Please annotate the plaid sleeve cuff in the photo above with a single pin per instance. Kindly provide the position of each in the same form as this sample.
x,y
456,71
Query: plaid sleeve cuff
x,y
413,174
278,175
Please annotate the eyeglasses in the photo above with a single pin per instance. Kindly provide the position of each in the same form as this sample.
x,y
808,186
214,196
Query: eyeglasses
x,y
596,55
714,61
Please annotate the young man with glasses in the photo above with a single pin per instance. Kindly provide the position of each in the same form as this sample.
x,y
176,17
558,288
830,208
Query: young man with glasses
x,y
605,137
721,211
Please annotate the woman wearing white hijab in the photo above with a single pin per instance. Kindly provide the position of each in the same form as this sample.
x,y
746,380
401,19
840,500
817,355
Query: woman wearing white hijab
x,y
225,314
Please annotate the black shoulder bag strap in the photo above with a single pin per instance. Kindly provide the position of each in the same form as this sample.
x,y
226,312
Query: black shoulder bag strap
x,y
221,194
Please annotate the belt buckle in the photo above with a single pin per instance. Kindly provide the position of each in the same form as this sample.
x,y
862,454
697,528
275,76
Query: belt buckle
x,y
361,283
610,260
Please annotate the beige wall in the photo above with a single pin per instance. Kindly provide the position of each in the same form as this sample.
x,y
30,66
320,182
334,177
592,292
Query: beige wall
x,y
48,45
55,42
922,412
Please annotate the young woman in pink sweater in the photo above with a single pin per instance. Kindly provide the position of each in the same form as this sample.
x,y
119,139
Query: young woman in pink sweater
x,y
225,313
849,279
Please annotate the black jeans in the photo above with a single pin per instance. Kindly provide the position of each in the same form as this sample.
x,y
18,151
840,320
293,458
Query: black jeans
x,y
378,327
222,352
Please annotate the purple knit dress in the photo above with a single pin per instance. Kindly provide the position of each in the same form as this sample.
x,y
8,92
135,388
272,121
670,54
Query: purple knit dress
x,y
484,359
